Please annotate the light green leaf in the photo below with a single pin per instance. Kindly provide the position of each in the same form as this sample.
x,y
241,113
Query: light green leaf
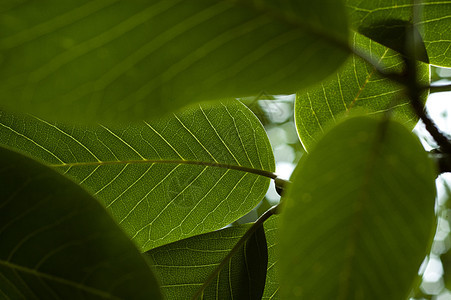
x,y
356,87
156,179
271,291
57,242
113,60
183,266
434,23
359,216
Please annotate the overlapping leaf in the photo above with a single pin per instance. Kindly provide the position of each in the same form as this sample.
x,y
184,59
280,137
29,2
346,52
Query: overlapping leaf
x,y
446,256
112,60
183,266
271,291
434,23
152,177
359,215
57,242
356,87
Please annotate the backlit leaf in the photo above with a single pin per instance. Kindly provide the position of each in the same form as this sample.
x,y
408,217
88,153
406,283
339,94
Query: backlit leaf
x,y
183,266
434,23
57,242
112,60
359,216
355,87
272,276
152,177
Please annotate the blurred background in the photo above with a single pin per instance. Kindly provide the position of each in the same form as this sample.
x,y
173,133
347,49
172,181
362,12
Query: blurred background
x,y
277,116
436,268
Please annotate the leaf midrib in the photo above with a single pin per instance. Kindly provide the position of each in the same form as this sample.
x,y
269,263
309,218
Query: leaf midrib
x,y
367,79
60,280
168,161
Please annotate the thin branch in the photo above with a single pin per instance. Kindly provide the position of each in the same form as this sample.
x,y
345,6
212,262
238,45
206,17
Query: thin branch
x,y
162,161
438,136
438,88
414,95
272,211
442,160
414,91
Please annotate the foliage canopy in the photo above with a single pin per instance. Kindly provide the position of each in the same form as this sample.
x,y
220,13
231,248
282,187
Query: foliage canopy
x,y
127,153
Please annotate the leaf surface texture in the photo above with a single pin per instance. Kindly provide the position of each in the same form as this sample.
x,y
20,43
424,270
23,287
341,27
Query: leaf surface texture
x,y
433,23
109,60
58,242
183,266
359,212
355,88
152,177
271,291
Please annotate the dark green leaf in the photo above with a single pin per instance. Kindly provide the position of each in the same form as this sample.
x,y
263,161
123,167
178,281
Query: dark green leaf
x,y
398,35
356,87
371,17
57,242
152,177
359,216
446,257
446,262
183,266
112,60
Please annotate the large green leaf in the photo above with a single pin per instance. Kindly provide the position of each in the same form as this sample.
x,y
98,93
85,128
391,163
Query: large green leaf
x,y
356,87
57,242
112,60
359,216
152,177
183,266
434,23
271,291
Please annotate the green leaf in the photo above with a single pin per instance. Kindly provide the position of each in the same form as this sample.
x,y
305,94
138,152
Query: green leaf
x,y
57,242
369,15
110,60
359,216
271,291
356,87
183,266
156,179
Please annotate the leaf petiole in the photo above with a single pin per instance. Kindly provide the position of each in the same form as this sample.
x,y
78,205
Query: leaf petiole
x,y
166,161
